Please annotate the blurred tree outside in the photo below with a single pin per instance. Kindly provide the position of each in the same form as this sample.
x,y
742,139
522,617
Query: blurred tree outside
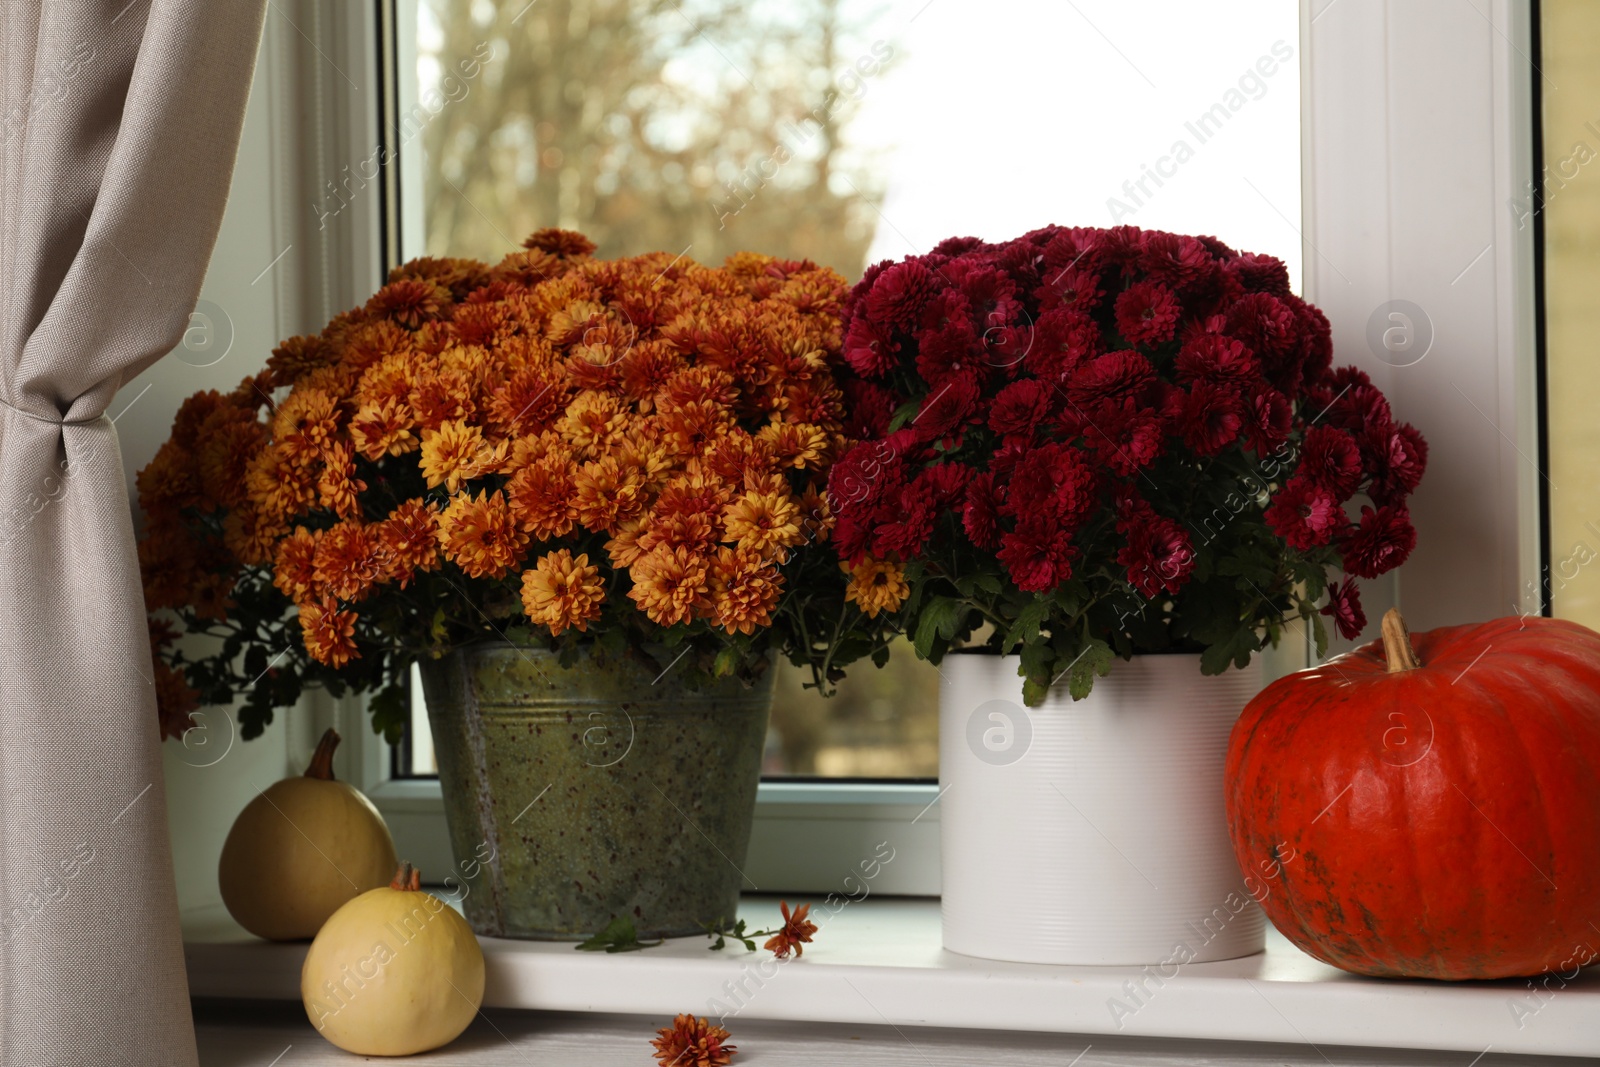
x,y
702,127
699,128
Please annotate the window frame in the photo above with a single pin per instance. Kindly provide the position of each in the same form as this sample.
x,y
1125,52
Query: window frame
x,y
1352,189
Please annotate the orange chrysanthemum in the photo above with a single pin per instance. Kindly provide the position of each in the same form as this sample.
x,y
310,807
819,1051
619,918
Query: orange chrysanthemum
x,y
543,499
250,537
408,541
329,633
692,1042
671,585
457,452
347,561
766,522
279,487
382,429
409,301
876,586
607,493
305,423
745,590
338,488
294,570
562,591
795,933
592,422
479,535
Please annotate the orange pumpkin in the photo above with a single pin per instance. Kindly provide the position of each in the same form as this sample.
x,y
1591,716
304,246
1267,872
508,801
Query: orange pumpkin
x,y
1430,810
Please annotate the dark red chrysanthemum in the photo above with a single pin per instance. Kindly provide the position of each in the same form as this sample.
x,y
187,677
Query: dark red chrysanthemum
x,y
1125,437
1214,358
1158,555
943,484
869,348
980,514
1211,419
946,409
1073,288
1332,461
1147,313
1061,341
1268,419
1020,407
1055,480
1261,274
1344,607
868,409
1399,456
1037,555
1381,543
1113,376
1305,515
897,297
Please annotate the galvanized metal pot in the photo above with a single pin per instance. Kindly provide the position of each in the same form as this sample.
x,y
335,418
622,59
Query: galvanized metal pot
x,y
576,795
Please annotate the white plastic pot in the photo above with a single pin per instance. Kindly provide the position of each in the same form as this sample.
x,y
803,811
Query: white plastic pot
x,y
1091,832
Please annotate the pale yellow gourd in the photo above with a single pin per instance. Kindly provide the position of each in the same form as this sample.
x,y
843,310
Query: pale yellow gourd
x,y
394,972
302,848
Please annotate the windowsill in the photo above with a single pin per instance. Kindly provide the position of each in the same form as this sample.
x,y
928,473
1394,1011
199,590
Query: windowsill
x,y
879,961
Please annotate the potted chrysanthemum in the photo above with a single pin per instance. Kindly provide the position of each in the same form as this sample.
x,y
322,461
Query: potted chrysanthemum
x,y
1089,444
586,497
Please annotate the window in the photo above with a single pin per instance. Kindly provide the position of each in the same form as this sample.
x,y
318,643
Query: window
x,y
844,131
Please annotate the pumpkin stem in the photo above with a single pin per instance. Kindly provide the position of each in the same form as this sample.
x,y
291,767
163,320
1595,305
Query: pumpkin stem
x,y
1397,643
407,878
322,759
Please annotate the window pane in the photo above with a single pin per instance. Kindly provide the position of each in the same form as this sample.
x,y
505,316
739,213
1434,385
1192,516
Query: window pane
x,y
1570,42
846,131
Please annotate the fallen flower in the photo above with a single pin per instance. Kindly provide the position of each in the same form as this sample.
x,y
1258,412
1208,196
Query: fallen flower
x,y
796,929
692,1042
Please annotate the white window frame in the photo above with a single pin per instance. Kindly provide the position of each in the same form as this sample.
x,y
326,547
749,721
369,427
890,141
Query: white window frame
x,y
1393,93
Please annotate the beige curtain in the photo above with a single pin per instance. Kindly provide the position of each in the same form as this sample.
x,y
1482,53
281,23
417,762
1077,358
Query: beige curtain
x,y
120,124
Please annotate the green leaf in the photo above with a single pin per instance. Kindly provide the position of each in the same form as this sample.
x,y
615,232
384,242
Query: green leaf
x,y
881,656
1094,660
726,663
1033,692
620,935
1319,634
1235,649
903,413
1025,628
390,710
939,618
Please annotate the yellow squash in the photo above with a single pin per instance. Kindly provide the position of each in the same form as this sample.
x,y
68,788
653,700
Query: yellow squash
x,y
301,849
394,972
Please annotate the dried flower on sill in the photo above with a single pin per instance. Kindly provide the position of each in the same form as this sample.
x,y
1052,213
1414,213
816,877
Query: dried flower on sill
x,y
796,929
692,1042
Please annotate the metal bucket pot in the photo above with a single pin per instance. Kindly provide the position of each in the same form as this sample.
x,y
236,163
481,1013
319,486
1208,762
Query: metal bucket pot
x,y
576,795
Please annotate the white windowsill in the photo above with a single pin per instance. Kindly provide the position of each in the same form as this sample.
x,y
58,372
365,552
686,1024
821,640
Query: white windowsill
x,y
880,961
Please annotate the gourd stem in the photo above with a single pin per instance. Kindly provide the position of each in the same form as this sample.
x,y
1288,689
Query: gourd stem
x,y
1397,643
407,877
322,758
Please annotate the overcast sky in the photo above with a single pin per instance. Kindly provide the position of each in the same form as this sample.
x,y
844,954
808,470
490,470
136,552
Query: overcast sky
x,y
1004,115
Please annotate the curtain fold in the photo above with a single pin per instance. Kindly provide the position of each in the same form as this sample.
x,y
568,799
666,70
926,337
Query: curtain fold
x,y
121,122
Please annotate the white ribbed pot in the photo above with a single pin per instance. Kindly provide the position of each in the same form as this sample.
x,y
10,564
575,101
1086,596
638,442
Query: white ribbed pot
x,y
1091,832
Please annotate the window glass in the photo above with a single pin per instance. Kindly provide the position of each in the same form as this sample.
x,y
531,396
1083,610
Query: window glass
x,y
845,131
